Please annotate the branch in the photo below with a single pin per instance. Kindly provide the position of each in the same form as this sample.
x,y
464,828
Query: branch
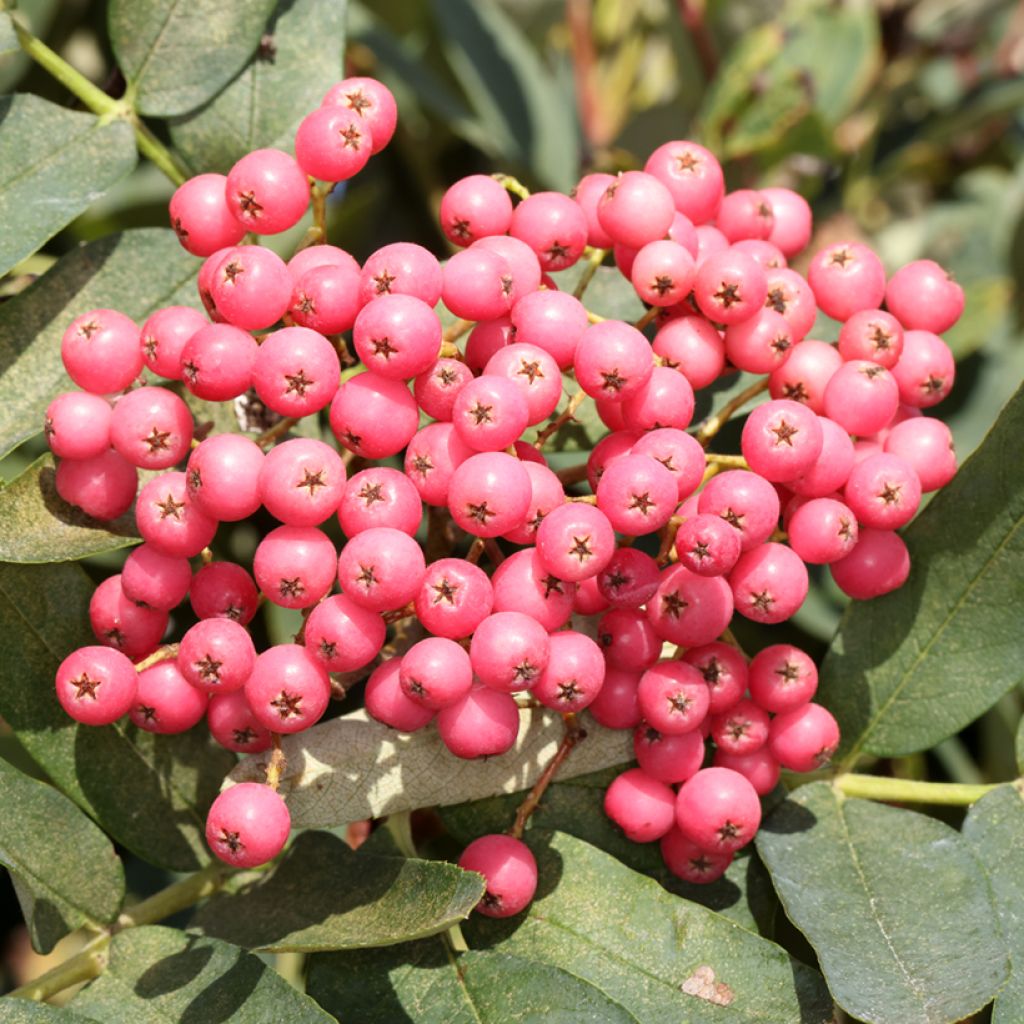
x,y
556,424
573,735
877,787
714,424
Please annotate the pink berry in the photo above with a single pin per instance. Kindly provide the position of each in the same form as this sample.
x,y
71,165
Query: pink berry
x,y
454,598
204,282
326,297
792,222
553,226
431,459
373,416
664,402
693,177
640,805
791,297
587,194
342,635
588,599
740,730
96,685
627,639
381,568
522,584
823,530
688,609
233,726
267,191
925,371
77,425
686,860
629,579
217,655
924,297
668,757
217,362
120,623
301,482
759,767
718,809
490,412
846,277
769,583
805,374
637,494
101,351
691,345
164,336
487,338
288,689
616,705
475,207
223,475
636,208
761,343
151,428
573,675
673,697
575,541
436,673
169,520
804,739
224,590
489,494
509,651
436,388
745,213
609,449
744,500
861,397
483,723
680,453
782,677
247,825
613,360
832,466
536,374
872,335
397,336
926,445
386,701
372,101
164,702
883,492
781,440
333,143
709,241
509,869
878,564
730,287
478,285
553,321
294,566
155,580
200,215
724,669
402,268
251,287
707,545
380,497
296,372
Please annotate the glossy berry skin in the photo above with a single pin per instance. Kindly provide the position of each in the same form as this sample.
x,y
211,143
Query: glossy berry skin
x,y
745,213
483,723
680,453
474,207
478,285
77,425
686,860
436,388
629,579
883,492
668,757
769,583
247,825
164,702
435,673
326,298
688,609
432,457
822,530
730,287
575,541
487,338
155,580
742,729
926,370
791,297
294,566
846,277
373,416
616,706
781,440
782,677
490,413
522,584
637,494
397,336
536,374
673,697
288,689
926,445
372,101
509,869
745,501
724,669
386,701
509,651
587,194
380,497
222,477
641,806
402,268
251,287
164,335
381,569
923,297
169,520
343,636
791,219
217,362
611,447
489,494
200,215
707,545
296,371
692,175
553,321
613,360
216,655
96,685
224,590
862,397
759,767
805,374
664,402
832,466
553,226
804,739
454,598
761,343
100,350
872,335
636,209
627,639
333,144
573,675
691,345
232,725
718,809
120,623
301,482
267,191
878,564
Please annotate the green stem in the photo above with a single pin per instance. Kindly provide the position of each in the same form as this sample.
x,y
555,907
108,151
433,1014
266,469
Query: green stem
x,y
595,260
400,827
513,185
877,787
83,966
156,152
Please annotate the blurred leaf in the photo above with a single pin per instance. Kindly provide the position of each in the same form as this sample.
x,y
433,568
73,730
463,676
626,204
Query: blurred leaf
x,y
352,768
421,983
505,82
177,54
37,525
135,272
915,666
151,793
894,904
8,37
994,828
576,806
1020,746
608,294
325,896
769,118
286,79
64,869
654,954
156,975
23,1011
53,163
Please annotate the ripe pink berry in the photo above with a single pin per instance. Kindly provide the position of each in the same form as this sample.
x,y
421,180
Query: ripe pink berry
x,y
489,494
629,579
673,697
730,287
769,583
342,635
77,425
534,372
326,298
611,447
204,282
223,475
878,564
832,466
587,194
294,566
745,213
680,453
691,345
478,285
575,541
432,458
522,584
616,705
804,739
872,335
381,569
436,673
224,590
397,336
640,805
508,868
925,371
232,724
380,497
101,351
200,215
883,492
724,669
333,143
709,241
296,372
822,530
926,445
475,207
744,500
454,598
573,675
761,343
217,655
805,374
688,609
288,689
637,494
553,321
301,482
759,767
120,623
668,757
248,825
782,677
164,702
553,226
386,701
373,416
372,101
267,191
251,287
693,177
686,860
151,428
490,412
718,809
791,297
217,362
613,360
846,277
636,208
509,651
862,397
483,723
96,685
665,401
791,227
740,730
487,338
436,388
164,336
627,639
169,520
155,580
924,297
707,545
589,600
781,440
402,268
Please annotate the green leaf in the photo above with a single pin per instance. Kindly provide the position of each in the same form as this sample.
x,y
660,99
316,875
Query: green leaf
x,y
519,101
994,828
135,272
151,793
37,525
262,107
422,984
65,870
156,975
8,37
1020,746
608,294
893,902
352,768
646,949
323,895
177,54
576,806
911,668
53,163
23,1011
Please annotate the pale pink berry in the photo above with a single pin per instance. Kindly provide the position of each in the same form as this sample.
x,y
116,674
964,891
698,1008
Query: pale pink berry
x,y
402,268
804,739
101,351
665,401
509,869
718,809
251,287
709,241
534,371
782,677
587,194
217,655
478,285
522,584
862,397
380,497
342,635
267,191
627,639
925,371
490,413
222,477
120,623
436,673
924,297
288,689
333,143
691,345
769,583
686,860
489,493
483,723
791,297
454,598
296,372
792,223
96,685
326,297
575,541
523,263
224,590
474,207
155,580
553,226
688,609
397,336
169,520
832,466
373,416
673,697
805,374
248,825
636,208
759,767
372,100
616,705
301,482
386,701
436,388
232,724
872,335
663,273
431,459
742,729
294,566
761,343
724,669
668,757
730,287
693,177
77,425
553,321
613,360
680,453
201,217
745,213
745,501
846,277
640,805
883,492
683,233
764,252
381,568
878,564
822,530
164,336
573,675
926,445
509,651
217,362
707,545
781,440
637,494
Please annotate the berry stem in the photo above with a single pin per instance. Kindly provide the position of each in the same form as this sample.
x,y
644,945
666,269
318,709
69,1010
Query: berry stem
x,y
714,424
647,318
877,787
513,185
452,333
277,764
596,258
279,429
405,612
668,539
556,424
726,461
163,653
476,549
573,734
595,318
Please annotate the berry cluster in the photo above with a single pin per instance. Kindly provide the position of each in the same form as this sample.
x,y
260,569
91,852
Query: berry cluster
x,y
840,456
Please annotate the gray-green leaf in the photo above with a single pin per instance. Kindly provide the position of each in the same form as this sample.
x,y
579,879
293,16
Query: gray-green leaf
x,y
994,827
23,1011
286,79
53,163
177,54
1020,746
911,668
37,525
324,895
151,793
8,37
422,984
894,904
156,975
65,870
135,272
